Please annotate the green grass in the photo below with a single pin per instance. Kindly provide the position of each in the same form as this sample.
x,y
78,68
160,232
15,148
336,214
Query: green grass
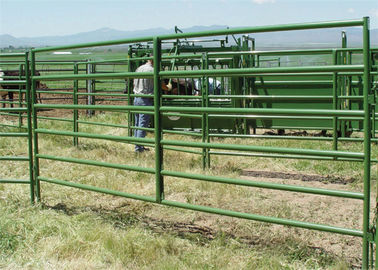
x,y
77,229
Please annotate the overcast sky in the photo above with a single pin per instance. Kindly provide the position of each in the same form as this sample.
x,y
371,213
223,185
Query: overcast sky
x,y
33,18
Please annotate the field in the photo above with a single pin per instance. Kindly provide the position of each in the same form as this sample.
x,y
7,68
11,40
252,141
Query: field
x,y
76,229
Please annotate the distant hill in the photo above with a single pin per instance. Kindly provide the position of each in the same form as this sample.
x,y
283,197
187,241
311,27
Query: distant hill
x,y
313,38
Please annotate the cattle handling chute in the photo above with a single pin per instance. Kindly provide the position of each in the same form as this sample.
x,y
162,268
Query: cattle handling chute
x,y
227,90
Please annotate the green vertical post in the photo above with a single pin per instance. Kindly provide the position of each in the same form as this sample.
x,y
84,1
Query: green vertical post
x,y
367,143
20,96
335,101
29,125
130,119
35,126
245,63
343,83
205,103
349,90
75,102
157,121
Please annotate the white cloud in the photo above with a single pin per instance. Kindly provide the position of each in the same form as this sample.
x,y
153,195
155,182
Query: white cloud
x,y
260,2
351,10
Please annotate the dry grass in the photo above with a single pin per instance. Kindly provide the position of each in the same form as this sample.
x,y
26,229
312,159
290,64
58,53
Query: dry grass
x,y
77,229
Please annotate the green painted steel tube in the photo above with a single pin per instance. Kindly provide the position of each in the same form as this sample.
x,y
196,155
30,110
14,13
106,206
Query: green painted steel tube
x,y
97,163
281,97
263,111
212,72
93,107
12,55
183,115
367,144
14,181
267,185
259,116
93,136
272,97
13,109
14,134
335,103
181,97
75,102
34,125
159,180
94,76
259,29
278,137
252,71
281,221
97,189
28,99
274,137
9,158
252,148
93,44
13,82
283,156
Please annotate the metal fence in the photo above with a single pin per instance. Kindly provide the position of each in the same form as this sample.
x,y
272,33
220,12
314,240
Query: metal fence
x,y
204,113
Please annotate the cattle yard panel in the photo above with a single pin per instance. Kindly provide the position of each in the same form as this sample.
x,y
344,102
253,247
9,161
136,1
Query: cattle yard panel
x,y
23,131
241,71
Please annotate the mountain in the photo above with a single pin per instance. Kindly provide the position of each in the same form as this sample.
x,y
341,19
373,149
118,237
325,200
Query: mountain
x,y
315,38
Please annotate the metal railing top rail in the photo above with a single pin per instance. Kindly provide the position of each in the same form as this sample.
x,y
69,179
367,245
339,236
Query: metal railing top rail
x,y
234,31
12,55
208,72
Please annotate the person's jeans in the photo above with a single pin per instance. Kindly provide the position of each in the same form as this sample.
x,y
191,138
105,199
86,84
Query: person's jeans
x,y
141,120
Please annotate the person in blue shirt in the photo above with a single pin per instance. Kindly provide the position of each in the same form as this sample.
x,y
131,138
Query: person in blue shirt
x,y
143,86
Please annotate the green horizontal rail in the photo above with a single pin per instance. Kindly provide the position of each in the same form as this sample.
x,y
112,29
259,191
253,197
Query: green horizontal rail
x,y
283,156
250,183
259,29
97,163
10,158
212,72
274,220
252,148
281,221
93,107
251,71
182,115
16,134
14,181
94,44
306,112
13,55
12,82
16,109
94,76
96,189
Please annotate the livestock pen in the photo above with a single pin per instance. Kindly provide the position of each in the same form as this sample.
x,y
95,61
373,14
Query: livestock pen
x,y
210,112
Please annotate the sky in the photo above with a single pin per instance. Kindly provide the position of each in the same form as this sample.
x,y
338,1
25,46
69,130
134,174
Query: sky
x,y
35,18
